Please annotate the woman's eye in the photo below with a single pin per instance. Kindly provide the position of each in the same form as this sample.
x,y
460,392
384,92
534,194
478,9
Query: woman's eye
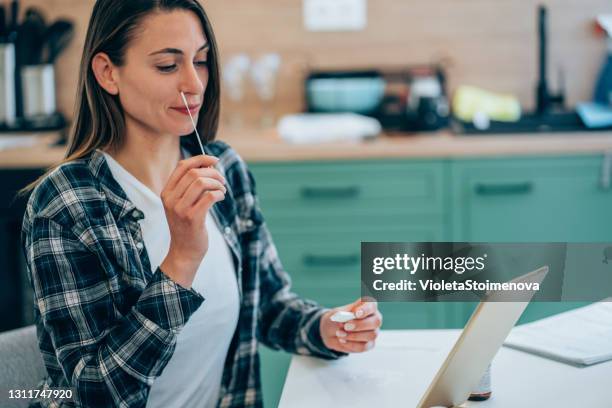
x,y
167,68
170,68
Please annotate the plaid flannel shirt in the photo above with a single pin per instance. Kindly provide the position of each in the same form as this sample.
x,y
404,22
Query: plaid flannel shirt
x,y
107,324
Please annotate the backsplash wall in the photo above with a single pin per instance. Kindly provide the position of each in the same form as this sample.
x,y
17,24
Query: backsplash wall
x,y
487,43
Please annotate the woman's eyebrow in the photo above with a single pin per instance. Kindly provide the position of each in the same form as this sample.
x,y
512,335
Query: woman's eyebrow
x,y
178,51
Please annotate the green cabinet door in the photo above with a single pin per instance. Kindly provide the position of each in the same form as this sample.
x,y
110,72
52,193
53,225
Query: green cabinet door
x,y
546,199
358,189
542,199
274,367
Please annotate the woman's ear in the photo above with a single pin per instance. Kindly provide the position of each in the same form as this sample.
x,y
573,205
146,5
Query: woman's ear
x,y
105,73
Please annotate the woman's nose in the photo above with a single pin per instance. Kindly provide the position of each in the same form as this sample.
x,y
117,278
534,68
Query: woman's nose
x,y
193,82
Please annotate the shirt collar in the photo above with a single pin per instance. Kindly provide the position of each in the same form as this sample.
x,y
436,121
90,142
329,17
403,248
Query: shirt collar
x,y
117,200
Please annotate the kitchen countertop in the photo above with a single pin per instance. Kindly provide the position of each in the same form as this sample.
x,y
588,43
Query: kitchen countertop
x,y
267,146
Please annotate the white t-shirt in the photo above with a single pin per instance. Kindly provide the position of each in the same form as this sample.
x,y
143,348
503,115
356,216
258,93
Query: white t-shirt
x,y
192,377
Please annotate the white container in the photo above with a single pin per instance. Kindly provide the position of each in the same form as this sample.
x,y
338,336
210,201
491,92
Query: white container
x,y
8,105
38,83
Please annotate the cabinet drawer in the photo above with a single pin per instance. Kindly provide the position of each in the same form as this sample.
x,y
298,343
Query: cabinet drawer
x,y
414,227
333,258
522,200
320,265
356,188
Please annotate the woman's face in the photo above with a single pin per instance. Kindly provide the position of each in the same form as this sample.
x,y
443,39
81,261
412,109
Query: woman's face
x,y
169,55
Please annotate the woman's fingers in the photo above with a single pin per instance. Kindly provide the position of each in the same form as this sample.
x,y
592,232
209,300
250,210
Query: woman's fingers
x,y
205,202
194,183
187,164
351,346
365,308
195,191
356,335
371,322
192,175
362,336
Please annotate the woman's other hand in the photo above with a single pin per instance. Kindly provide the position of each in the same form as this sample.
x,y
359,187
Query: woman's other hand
x,y
357,335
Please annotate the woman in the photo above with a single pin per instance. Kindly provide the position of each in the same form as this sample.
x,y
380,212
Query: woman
x,y
154,274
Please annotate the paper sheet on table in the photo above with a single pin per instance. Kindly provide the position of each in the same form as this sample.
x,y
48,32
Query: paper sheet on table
x,y
580,337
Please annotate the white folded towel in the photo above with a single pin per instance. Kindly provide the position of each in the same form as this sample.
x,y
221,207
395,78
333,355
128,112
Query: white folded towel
x,y
327,127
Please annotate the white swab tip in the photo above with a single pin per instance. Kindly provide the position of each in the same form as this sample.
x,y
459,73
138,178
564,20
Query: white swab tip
x,y
342,317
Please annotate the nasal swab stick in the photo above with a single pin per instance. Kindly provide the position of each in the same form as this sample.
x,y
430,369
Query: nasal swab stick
x,y
193,123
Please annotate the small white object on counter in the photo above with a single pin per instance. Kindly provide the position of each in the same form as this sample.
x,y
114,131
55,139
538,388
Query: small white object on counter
x,y
18,141
327,127
342,317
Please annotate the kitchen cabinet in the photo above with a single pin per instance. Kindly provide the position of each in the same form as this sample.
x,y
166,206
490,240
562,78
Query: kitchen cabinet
x,y
535,199
319,212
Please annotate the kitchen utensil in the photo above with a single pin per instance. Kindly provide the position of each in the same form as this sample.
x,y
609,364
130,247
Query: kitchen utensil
x,y
58,36
14,23
17,52
3,28
37,25
29,41
35,14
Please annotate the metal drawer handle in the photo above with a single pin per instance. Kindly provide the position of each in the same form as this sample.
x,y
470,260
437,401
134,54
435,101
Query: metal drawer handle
x,y
606,166
502,189
330,192
330,260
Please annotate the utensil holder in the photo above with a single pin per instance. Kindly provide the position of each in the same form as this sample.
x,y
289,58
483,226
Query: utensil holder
x,y
38,83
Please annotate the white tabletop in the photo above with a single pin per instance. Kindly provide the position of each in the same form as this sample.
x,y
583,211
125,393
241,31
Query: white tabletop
x,y
401,366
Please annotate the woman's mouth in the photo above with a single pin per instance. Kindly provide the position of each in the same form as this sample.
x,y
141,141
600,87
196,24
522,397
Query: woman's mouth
x,y
193,109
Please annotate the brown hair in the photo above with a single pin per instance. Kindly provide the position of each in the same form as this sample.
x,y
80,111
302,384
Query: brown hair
x,y
99,122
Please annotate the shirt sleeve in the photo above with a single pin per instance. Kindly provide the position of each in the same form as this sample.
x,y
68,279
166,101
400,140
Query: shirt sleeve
x,y
285,320
108,358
